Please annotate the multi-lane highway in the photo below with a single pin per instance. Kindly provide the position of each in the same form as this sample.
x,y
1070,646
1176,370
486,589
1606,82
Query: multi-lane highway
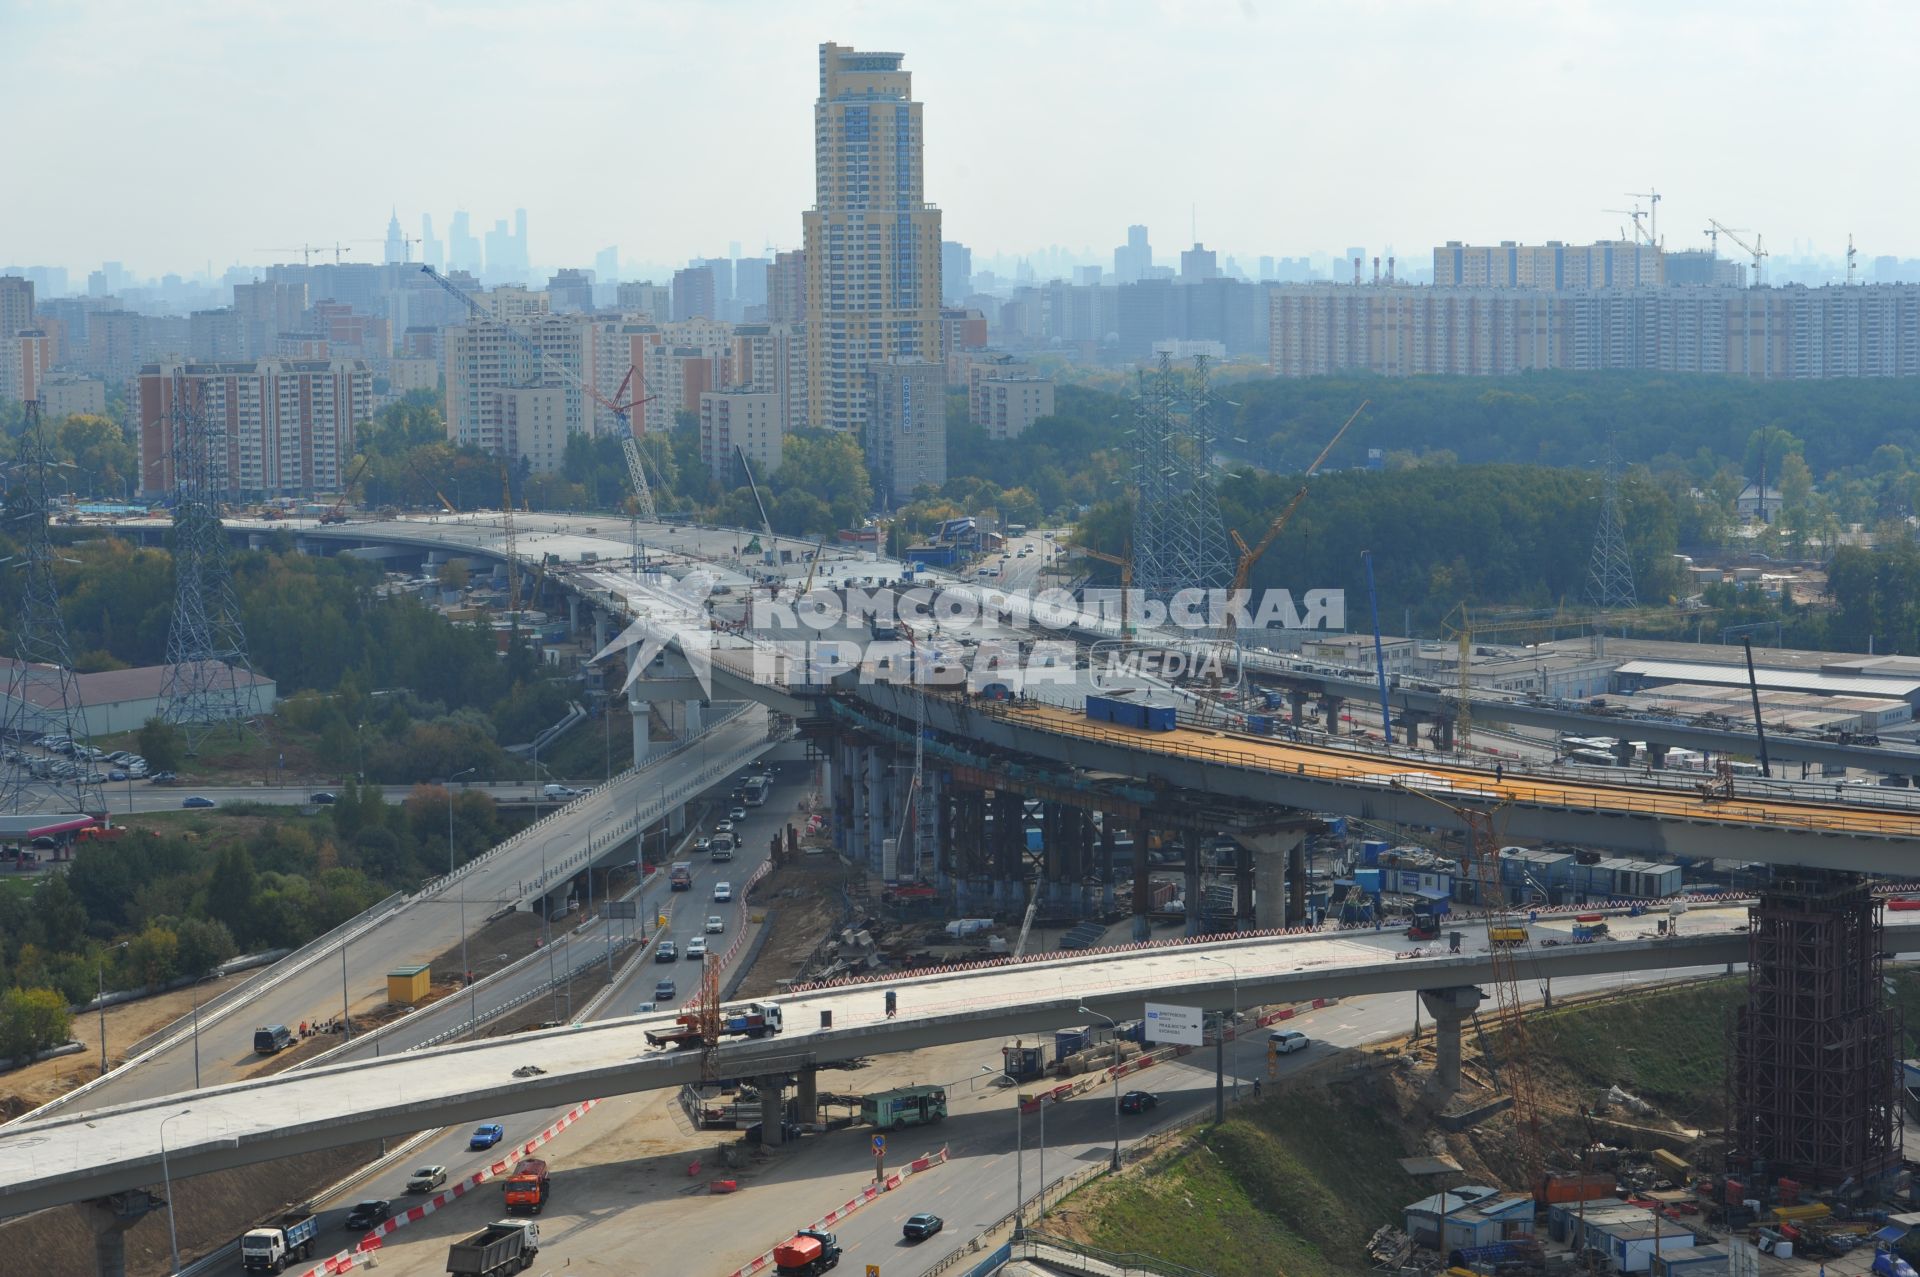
x,y
420,929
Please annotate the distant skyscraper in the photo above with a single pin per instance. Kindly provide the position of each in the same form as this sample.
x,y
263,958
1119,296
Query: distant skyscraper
x,y
431,250
396,239
956,270
722,269
1133,261
463,250
872,241
606,265
749,284
787,288
694,294
1198,263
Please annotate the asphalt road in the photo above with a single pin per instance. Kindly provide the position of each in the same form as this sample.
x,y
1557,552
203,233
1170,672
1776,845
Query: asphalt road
x,y
139,796
687,914
429,926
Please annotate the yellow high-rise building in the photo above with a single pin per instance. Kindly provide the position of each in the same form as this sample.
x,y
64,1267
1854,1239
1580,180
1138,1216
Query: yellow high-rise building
x,y
872,242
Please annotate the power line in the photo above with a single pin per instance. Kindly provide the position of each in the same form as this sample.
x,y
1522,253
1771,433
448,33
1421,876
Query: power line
x,y
1610,572
1179,540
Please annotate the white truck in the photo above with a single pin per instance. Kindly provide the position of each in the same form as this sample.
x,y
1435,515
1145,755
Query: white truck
x,y
269,1247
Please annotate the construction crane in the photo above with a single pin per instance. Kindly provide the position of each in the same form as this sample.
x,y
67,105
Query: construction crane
x,y
1653,213
337,513
1483,855
1248,558
1123,561
1852,253
431,485
1636,213
754,487
306,251
1754,249
813,567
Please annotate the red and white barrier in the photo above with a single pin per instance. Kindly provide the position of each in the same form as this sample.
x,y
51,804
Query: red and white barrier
x,y
872,1192
346,1260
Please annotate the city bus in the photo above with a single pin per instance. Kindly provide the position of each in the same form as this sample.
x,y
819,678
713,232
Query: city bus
x,y
906,1106
756,791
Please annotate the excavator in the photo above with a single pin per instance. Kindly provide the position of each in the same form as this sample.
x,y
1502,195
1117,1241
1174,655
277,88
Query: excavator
x,y
337,512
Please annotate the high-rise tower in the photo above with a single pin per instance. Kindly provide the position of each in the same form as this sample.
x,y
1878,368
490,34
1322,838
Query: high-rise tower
x,y
872,242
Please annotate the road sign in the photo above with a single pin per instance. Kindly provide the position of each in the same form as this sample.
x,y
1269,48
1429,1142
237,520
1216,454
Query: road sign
x,y
623,909
1181,1025
873,1270
879,1145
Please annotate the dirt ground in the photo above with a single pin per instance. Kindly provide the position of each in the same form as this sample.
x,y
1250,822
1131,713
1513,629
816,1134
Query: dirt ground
x,y
127,1024
803,902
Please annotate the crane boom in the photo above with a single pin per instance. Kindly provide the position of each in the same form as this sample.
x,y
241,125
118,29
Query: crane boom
x,y
754,487
637,473
513,561
1754,249
1248,557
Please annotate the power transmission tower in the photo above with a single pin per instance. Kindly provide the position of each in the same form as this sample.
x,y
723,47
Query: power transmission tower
x,y
1610,573
43,693
210,679
1179,540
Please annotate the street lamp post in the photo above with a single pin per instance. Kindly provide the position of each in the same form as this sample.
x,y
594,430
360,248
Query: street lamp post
x,y
1115,1029
1019,1149
100,998
1220,1045
166,1177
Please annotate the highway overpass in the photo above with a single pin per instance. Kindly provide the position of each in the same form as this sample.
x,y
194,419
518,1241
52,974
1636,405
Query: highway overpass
x,y
66,1159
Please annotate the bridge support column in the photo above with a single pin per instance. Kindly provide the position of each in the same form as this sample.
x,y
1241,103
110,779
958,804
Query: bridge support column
x,y
1190,857
806,1097
110,1218
772,1090
1142,886
1297,883
640,712
1449,1009
1106,864
1331,707
599,630
1297,704
1657,757
1273,853
1446,733
1413,722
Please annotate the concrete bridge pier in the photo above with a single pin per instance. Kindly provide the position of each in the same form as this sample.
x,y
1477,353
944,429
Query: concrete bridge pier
x,y
1657,758
599,630
1331,707
1449,1009
1106,865
1279,878
772,1090
1297,704
806,1096
1446,733
1414,722
1196,894
110,1218
1142,886
1243,888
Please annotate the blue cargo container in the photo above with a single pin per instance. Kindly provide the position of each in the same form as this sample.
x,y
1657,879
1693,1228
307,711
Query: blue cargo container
x,y
1033,840
1370,851
1067,1041
1368,880
1159,718
1260,724
1273,700
1100,709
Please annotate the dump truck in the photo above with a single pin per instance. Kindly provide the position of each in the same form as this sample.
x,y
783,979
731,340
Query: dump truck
x,y
525,1190
269,1247
808,1252
755,1020
504,1246
1506,937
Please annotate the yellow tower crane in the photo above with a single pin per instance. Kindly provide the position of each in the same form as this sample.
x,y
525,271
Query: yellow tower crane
x,y
1244,569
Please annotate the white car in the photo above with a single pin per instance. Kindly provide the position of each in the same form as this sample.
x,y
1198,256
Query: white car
x,y
697,949
724,827
715,925
722,892
1286,1041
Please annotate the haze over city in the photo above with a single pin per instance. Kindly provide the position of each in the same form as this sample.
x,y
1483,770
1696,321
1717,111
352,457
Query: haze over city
x,y
173,137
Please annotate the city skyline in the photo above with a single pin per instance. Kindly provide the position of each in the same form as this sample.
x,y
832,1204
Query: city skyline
x,y
1350,129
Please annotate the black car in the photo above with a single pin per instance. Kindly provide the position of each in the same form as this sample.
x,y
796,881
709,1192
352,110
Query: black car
x,y
922,1226
323,799
665,952
1138,1101
369,1213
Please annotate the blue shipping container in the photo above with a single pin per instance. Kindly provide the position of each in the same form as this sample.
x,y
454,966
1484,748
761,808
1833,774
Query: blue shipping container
x,y
1370,851
1273,700
1260,724
1368,880
1159,718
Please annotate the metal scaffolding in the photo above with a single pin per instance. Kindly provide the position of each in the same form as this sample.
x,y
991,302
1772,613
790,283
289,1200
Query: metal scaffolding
x,y
209,683
43,693
1813,1091
1179,540
1610,571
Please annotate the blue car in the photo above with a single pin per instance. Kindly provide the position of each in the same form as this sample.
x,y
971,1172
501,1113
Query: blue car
x,y
196,801
486,1136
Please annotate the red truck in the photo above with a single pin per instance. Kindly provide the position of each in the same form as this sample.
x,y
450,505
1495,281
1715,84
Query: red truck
x,y
807,1254
526,1188
755,1020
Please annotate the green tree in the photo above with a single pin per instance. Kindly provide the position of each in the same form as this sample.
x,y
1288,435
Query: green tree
x,y
230,892
204,945
161,745
31,1021
154,955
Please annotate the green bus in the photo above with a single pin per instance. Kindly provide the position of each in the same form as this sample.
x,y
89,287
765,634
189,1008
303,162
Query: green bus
x,y
904,1106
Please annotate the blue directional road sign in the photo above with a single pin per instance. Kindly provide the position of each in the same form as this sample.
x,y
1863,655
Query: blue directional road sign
x,y
879,1145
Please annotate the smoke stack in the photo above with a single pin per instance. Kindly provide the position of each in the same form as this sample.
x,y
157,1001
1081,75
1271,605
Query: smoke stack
x,y
1356,272
1376,271
1389,270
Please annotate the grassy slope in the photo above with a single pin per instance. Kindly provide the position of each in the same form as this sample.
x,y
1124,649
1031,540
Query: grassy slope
x,y
1295,1185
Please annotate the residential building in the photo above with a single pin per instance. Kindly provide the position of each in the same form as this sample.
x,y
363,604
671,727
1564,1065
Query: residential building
x,y
772,358
1607,264
515,304
216,336
396,245
533,425
872,240
65,394
905,428
570,291
982,365
268,308
1008,405
410,373
750,288
963,330
116,345
695,294
486,356
28,359
745,419
283,427
1198,263
1133,260
644,297
787,288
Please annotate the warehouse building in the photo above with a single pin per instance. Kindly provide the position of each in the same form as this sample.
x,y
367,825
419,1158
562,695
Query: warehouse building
x,y
123,700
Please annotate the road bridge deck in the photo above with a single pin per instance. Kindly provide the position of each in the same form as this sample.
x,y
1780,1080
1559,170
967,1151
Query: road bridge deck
x,y
46,1163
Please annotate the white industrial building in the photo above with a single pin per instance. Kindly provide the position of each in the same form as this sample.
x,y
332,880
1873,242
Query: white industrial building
x,y
123,700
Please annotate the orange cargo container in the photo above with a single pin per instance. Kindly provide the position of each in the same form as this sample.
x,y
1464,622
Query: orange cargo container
x,y
1575,1188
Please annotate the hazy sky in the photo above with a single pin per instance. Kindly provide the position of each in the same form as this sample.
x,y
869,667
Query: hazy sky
x,y
167,133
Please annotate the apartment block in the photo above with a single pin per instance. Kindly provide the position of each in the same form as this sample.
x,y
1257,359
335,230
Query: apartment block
x,y
268,308
1008,405
1769,333
787,288
645,299
488,356
772,358
745,419
533,420
905,433
872,242
282,427
65,394
1552,265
